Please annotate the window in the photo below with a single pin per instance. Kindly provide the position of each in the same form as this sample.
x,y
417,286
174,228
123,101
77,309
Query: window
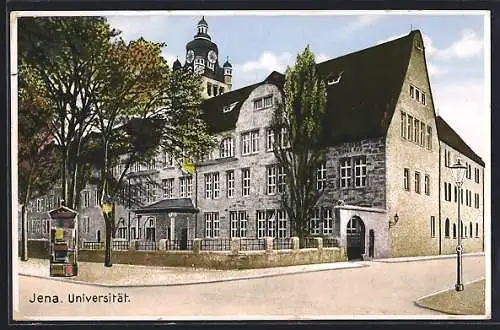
x,y
423,98
429,137
476,175
416,125
422,134
261,224
270,139
455,194
238,223
403,125
445,158
417,95
151,229
86,224
447,228
360,172
461,196
427,185
321,176
327,221
152,164
168,188
209,89
454,230
406,181
476,200
410,127
412,92
281,179
226,148
168,160
282,219
470,229
250,142
263,102
271,223
230,183
122,229
433,226
345,173
210,65
212,187
271,180
186,186
150,192
212,225
314,222
85,199
245,174
417,182
477,229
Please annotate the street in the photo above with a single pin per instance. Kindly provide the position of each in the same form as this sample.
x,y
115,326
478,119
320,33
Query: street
x,y
382,288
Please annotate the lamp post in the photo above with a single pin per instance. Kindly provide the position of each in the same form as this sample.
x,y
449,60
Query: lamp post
x,y
458,174
107,208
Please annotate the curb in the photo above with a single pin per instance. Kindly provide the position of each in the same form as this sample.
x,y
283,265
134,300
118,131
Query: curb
x,y
426,258
421,305
229,279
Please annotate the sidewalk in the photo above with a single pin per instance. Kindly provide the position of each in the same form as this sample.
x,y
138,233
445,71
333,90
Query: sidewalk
x,y
120,275
423,258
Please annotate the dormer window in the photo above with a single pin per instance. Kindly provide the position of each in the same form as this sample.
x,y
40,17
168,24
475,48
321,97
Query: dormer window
x,y
263,102
334,79
229,107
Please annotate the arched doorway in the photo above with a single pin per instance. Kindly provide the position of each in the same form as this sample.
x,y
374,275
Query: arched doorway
x,y
355,238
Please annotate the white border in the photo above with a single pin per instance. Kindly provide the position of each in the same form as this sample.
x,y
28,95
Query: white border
x,y
487,197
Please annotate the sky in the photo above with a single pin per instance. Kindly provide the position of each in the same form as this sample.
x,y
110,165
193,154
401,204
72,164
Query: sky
x,y
260,42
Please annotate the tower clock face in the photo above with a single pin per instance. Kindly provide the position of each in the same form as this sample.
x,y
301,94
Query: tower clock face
x,y
212,56
190,56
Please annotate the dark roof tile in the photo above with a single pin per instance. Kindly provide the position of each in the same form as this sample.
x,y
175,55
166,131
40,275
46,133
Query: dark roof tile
x,y
180,205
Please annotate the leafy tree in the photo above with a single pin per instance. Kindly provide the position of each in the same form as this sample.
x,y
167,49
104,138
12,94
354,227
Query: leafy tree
x,y
143,107
37,156
297,122
67,54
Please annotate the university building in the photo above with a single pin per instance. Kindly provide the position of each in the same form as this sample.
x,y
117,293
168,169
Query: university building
x,y
387,186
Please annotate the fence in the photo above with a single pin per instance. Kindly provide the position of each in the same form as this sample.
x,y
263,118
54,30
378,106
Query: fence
x,y
146,245
252,244
93,245
120,245
282,243
216,245
179,245
330,242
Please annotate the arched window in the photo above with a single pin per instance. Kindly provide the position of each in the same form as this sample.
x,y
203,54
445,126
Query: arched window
x,y
226,148
461,229
447,228
454,230
150,229
122,229
209,89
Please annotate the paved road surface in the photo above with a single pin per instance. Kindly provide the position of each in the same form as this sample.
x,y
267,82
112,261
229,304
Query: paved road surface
x,y
380,289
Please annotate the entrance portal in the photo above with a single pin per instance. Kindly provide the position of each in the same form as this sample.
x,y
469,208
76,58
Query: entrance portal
x,y
355,239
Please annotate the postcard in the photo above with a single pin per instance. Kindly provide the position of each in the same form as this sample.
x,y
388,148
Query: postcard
x,y
250,165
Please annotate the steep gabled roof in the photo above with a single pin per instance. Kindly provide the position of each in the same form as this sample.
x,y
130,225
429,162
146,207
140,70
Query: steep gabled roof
x,y
451,138
219,121
359,106
180,205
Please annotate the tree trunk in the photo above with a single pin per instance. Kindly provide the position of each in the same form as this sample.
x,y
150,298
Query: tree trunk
x,y
107,246
64,176
24,233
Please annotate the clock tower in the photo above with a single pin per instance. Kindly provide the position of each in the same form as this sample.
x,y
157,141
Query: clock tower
x,y
202,57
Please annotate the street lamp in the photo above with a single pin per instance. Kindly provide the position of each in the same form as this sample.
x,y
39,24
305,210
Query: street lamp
x,y
458,174
107,208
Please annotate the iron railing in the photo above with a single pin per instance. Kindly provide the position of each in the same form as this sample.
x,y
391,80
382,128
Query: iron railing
x,y
146,245
216,245
309,243
282,243
120,245
179,245
93,245
330,242
252,244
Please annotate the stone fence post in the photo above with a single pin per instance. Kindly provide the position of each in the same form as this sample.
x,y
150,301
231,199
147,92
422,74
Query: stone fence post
x,y
196,245
269,244
162,244
133,245
235,245
295,243
318,242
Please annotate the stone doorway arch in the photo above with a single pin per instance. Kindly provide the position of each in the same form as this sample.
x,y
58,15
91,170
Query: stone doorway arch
x,y
355,238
